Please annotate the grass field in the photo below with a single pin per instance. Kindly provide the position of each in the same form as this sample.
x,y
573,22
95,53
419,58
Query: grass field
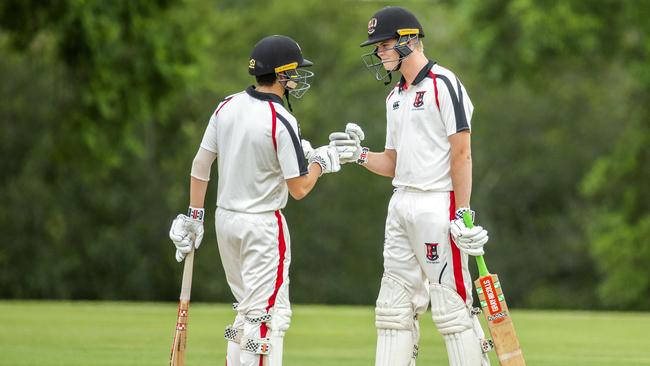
x,y
104,333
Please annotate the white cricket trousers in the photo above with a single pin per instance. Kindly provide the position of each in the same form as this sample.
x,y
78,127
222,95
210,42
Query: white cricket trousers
x,y
418,250
422,265
255,252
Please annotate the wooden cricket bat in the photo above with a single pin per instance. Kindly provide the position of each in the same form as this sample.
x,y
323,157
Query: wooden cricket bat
x,y
497,315
177,357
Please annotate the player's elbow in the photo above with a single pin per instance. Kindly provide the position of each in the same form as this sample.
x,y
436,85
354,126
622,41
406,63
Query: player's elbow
x,y
297,189
298,193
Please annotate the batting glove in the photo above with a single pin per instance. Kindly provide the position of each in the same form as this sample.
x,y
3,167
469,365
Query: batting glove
x,y
327,158
187,232
306,148
468,240
348,149
348,144
355,132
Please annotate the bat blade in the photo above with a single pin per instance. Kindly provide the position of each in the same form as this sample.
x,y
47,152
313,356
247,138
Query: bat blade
x,y
497,315
177,357
179,344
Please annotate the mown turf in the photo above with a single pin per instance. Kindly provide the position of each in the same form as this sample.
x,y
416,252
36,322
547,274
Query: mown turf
x,y
104,333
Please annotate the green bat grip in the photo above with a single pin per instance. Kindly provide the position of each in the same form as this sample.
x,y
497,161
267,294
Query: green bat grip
x,y
480,261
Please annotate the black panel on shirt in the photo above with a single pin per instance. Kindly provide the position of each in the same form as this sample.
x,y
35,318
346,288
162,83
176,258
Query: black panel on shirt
x,y
300,155
263,96
459,108
420,76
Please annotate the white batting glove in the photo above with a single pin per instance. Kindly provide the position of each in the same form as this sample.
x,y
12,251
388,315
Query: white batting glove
x,y
470,241
355,132
187,232
327,158
348,149
306,148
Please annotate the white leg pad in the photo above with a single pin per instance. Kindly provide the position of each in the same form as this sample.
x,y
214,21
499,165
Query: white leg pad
x,y
397,326
233,354
233,335
275,357
280,322
457,326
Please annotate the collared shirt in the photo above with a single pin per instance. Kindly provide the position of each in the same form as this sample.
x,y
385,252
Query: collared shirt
x,y
420,118
257,142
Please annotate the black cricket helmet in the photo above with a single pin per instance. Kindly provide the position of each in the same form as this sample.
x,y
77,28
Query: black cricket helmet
x,y
281,55
391,22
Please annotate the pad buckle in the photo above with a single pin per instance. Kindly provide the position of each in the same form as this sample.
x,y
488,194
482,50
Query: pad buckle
x,y
258,319
487,345
257,346
232,334
416,351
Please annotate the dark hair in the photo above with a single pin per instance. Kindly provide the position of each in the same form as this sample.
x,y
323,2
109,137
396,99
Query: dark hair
x,y
266,79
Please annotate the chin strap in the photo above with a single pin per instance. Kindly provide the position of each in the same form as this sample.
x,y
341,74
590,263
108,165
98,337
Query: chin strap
x,y
286,95
390,78
390,73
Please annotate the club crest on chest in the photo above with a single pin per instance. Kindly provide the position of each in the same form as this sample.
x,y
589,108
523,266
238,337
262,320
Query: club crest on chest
x,y
432,252
419,99
396,105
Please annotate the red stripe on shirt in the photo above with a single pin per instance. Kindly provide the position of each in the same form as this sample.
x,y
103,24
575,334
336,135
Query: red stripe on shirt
x,y
390,95
222,104
455,253
273,126
435,87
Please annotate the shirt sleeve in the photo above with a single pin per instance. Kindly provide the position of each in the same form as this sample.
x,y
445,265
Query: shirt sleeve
x,y
456,107
390,143
209,141
389,135
290,153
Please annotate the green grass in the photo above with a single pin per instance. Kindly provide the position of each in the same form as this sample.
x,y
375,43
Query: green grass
x,y
103,333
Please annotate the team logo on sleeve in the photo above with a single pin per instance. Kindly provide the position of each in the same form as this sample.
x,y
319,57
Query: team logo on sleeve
x,y
419,99
432,252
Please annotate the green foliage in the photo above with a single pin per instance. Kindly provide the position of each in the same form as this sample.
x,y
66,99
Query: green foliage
x,y
104,104
539,41
621,223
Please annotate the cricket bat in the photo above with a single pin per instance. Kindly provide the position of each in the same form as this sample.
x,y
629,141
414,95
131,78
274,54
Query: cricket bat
x,y
177,357
497,315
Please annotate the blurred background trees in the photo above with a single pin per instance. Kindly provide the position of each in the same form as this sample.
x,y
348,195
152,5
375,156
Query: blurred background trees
x,y
104,104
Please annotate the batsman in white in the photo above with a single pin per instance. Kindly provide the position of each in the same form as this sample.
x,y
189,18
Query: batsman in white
x,y
261,159
427,153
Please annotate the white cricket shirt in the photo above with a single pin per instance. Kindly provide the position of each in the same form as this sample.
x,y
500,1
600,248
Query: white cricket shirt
x,y
257,142
420,118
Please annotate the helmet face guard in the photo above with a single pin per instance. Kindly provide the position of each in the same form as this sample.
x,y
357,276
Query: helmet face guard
x,y
375,64
293,79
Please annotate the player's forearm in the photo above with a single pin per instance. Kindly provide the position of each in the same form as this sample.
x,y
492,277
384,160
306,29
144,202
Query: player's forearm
x,y
382,163
198,188
461,176
299,187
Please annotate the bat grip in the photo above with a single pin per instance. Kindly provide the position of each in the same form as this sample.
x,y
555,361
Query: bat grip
x,y
480,261
186,286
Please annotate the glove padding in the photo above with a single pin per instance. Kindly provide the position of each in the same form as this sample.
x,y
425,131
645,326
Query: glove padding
x,y
185,232
306,148
348,143
355,132
470,241
327,158
348,149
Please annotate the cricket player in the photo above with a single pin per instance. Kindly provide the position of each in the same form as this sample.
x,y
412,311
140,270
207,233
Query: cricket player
x,y
427,153
256,142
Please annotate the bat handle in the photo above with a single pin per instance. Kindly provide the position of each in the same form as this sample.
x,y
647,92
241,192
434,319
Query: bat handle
x,y
480,261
